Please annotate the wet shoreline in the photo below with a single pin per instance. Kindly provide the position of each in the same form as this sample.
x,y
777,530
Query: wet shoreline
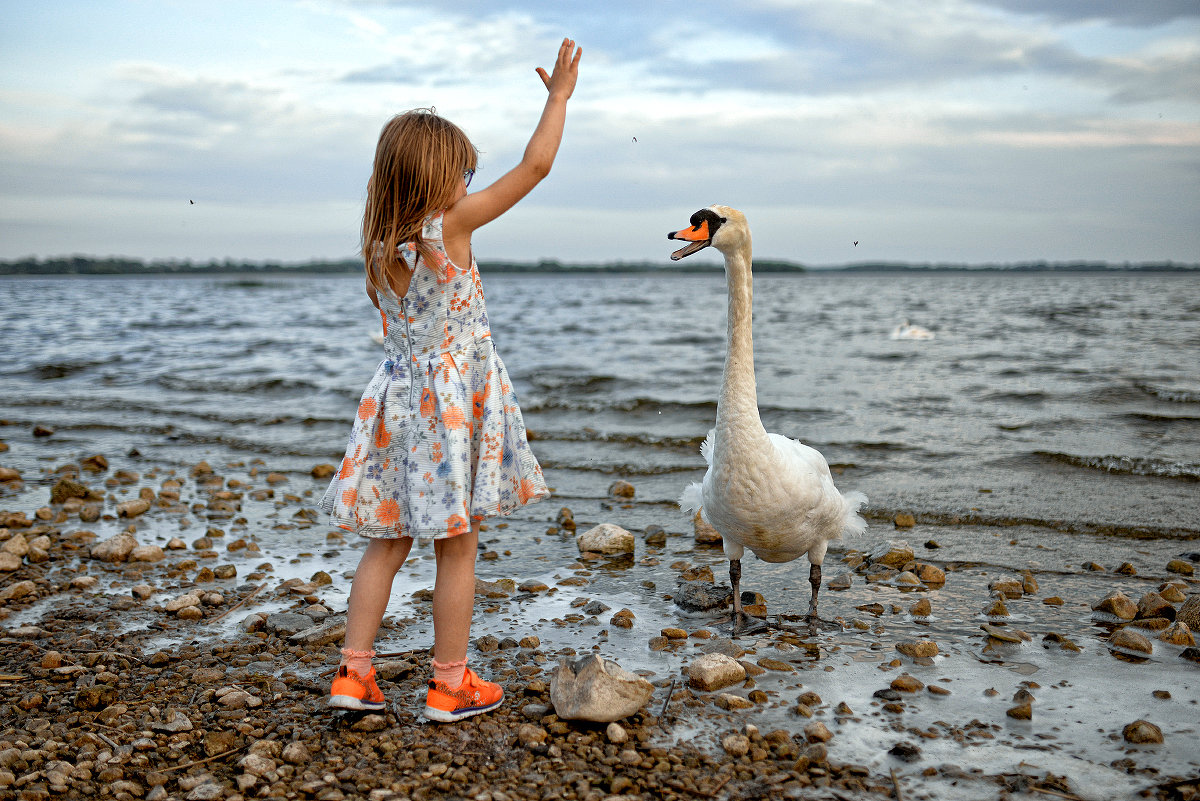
x,y
135,652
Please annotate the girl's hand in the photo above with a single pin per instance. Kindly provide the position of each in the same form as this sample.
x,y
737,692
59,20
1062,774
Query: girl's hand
x,y
566,70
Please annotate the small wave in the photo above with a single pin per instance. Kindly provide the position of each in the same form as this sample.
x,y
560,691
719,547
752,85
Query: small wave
x,y
52,371
236,387
1151,417
643,440
1017,397
620,469
1128,465
1170,395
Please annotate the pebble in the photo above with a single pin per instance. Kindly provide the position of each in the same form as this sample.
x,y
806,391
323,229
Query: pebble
x,y
714,671
907,684
1118,604
621,489
842,582
1180,567
921,608
1142,732
1005,633
1154,605
605,538
1021,711
703,532
1179,633
616,733
1009,588
736,745
1189,613
917,648
904,520
817,732
1126,640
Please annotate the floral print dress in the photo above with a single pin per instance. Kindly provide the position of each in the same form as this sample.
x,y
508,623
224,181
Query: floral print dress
x,y
438,440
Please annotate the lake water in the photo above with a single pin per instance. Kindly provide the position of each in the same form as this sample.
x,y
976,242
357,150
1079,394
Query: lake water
x,y
1073,400
1054,420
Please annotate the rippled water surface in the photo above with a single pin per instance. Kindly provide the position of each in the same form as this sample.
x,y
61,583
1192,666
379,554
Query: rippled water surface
x,y
1054,420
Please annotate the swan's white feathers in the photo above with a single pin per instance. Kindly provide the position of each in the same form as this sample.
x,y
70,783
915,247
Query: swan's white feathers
x,y
771,494
706,447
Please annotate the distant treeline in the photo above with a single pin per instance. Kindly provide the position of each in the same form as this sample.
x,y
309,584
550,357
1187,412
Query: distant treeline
x,y
86,265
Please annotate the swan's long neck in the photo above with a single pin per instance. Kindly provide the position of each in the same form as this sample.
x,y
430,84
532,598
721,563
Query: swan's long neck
x,y
738,422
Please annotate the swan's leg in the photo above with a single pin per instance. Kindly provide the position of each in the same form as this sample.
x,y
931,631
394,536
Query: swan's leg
x,y
735,580
815,622
814,580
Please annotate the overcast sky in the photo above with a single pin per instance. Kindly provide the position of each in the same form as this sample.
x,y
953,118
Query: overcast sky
x,y
925,130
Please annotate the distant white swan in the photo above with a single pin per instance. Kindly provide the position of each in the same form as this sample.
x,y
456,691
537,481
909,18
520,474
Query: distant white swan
x,y
762,491
907,331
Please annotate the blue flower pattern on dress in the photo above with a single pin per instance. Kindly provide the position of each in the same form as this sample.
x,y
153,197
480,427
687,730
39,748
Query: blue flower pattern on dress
x,y
438,440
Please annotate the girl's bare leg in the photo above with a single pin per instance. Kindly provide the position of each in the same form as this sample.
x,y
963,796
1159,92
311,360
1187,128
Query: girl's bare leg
x,y
454,595
372,588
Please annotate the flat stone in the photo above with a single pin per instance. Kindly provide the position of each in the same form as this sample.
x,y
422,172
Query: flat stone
x,y
1022,711
1005,633
1180,567
287,623
330,631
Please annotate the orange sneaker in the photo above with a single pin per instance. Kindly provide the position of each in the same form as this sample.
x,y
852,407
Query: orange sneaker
x,y
352,691
473,697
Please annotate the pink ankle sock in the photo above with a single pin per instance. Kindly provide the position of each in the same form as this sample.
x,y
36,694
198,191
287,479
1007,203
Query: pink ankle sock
x,y
358,661
449,673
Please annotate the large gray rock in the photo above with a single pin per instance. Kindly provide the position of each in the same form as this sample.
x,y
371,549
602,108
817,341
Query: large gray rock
x,y
700,596
605,538
287,623
596,689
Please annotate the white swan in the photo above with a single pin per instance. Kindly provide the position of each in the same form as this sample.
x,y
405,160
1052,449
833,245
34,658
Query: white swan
x,y
907,331
762,491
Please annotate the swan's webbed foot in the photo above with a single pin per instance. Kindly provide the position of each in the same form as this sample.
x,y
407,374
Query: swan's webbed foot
x,y
745,624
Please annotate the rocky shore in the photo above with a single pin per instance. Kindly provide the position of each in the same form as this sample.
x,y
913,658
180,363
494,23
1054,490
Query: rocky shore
x,y
152,649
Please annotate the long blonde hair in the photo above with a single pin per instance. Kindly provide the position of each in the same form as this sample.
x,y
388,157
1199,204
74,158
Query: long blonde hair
x,y
419,166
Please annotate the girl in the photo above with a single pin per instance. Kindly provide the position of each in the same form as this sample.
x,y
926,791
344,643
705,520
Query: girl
x,y
439,443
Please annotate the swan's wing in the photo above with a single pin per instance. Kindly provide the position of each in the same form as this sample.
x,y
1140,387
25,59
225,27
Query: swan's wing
x,y
799,457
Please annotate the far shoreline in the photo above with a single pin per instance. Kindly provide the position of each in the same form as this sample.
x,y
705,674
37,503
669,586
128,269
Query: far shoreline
x,y
101,266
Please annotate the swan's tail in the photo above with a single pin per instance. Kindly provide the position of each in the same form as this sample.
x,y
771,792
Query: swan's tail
x,y
693,498
853,524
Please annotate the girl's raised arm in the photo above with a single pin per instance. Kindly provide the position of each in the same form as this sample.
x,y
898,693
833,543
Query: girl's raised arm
x,y
475,210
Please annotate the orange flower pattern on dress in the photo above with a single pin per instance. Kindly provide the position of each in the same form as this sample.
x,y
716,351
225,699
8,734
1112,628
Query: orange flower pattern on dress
x,y
417,462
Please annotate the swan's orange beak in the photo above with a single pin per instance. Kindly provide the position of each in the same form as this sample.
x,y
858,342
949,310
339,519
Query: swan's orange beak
x,y
697,238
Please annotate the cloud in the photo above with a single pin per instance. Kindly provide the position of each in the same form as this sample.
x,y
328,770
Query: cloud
x,y
1117,12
